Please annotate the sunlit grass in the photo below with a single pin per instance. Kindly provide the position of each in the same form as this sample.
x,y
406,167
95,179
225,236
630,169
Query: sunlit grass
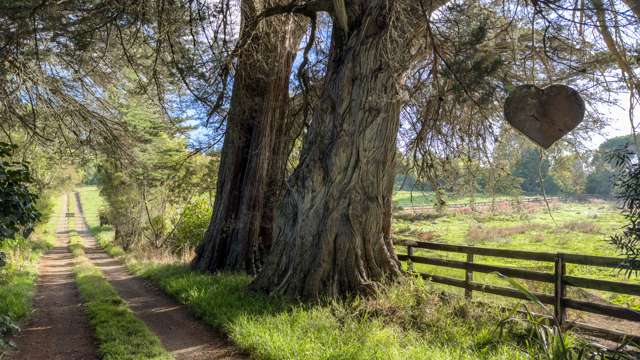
x,y
404,321
406,198
18,276
581,228
120,335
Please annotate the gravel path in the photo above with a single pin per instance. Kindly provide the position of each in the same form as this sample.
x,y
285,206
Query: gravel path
x,y
180,332
59,328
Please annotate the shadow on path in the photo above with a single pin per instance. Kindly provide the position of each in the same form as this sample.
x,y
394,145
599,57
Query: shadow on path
x,y
59,328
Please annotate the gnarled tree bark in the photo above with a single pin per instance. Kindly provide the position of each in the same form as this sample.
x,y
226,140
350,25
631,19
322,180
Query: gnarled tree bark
x,y
332,230
256,145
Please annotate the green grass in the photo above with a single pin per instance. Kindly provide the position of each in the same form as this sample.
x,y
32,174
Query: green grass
x,y
405,321
120,335
91,204
76,245
427,198
18,276
581,228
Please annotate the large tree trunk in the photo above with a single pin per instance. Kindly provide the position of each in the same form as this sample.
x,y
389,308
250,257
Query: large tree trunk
x,y
251,170
332,230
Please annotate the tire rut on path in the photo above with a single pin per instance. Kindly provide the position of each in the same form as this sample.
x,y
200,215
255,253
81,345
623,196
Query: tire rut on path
x,y
179,331
59,329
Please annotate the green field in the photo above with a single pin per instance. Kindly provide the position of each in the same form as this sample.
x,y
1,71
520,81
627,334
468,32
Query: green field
x,y
582,228
427,198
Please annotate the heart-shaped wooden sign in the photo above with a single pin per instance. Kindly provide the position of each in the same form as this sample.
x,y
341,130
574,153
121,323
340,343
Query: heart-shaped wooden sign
x,y
544,115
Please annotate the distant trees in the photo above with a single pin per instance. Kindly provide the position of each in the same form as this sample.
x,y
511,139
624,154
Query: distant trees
x,y
533,169
601,179
156,188
570,172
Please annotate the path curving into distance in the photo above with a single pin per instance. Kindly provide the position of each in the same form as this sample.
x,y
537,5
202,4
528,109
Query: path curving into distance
x,y
59,328
179,331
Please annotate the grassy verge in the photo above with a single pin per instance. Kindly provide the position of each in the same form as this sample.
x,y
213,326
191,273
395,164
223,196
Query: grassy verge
x,y
120,335
405,321
18,276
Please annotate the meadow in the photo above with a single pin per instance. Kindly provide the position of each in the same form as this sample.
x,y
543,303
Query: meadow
x,y
567,227
405,198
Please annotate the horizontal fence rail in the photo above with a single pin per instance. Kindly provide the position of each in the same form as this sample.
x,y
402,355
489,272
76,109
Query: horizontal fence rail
x,y
484,203
558,278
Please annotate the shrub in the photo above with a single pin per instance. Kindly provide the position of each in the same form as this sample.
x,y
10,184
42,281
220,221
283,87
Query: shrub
x,y
18,211
427,236
191,227
418,216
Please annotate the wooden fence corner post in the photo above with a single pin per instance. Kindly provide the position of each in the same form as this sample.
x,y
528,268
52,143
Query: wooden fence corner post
x,y
559,289
468,278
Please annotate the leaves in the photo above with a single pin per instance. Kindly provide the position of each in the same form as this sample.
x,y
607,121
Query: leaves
x,y
627,185
18,210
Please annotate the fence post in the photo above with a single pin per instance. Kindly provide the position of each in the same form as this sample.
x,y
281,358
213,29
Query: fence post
x,y
410,254
559,289
468,278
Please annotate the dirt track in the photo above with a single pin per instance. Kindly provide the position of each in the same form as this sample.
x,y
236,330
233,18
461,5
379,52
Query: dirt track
x,y
181,334
59,328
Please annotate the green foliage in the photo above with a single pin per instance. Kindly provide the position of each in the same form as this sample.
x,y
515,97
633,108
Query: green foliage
x,y
145,197
18,209
192,225
570,173
601,180
628,191
531,168
470,68
546,339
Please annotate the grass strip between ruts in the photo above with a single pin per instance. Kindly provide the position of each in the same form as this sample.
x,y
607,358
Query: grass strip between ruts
x,y
119,333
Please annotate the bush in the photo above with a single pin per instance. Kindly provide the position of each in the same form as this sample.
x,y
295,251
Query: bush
x,y
18,211
585,227
192,226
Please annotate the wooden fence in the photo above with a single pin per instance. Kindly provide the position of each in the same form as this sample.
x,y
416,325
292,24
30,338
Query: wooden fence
x,y
558,278
484,204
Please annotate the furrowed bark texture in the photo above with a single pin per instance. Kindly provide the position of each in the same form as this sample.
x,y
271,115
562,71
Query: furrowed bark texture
x,y
255,149
332,230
